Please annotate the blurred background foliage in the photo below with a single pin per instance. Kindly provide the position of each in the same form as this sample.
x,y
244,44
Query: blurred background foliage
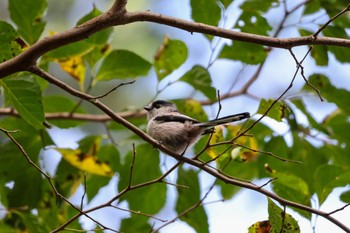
x,y
301,141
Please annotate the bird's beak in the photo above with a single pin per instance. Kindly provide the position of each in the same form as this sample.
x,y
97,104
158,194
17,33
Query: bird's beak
x,y
147,108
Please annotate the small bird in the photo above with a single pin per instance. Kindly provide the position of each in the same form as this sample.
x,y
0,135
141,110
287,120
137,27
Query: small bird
x,y
177,131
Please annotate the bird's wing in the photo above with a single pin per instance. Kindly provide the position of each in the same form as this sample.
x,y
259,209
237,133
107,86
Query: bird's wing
x,y
175,118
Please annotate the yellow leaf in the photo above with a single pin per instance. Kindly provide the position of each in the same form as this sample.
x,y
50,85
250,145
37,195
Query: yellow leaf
x,y
218,136
74,66
86,162
249,146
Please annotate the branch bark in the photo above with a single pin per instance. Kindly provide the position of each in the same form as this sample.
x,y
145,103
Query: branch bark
x,y
118,15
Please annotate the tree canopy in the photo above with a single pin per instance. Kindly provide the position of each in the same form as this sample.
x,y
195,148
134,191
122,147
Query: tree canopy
x,y
286,62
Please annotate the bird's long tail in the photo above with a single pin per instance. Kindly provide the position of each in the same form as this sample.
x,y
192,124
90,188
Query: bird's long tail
x,y
224,120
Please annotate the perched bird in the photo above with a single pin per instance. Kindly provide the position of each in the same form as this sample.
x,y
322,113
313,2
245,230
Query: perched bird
x,y
177,131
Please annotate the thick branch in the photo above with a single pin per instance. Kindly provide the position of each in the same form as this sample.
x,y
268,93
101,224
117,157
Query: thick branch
x,y
234,35
115,17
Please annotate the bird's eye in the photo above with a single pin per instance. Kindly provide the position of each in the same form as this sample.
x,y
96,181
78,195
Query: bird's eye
x,y
157,106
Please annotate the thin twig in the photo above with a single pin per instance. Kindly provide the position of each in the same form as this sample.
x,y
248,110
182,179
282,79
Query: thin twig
x,y
269,153
299,65
330,21
113,89
138,213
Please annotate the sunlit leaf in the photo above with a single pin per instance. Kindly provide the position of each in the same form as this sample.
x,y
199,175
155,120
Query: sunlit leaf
x,y
27,15
170,55
199,78
86,162
188,197
24,94
192,108
9,47
74,49
280,221
121,64
293,188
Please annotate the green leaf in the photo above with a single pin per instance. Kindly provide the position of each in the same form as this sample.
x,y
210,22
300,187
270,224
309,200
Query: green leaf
x,y
99,38
264,6
192,108
188,197
226,3
337,32
277,112
27,190
253,22
246,52
338,96
68,51
338,126
329,177
318,52
9,48
312,7
24,93
205,11
9,229
53,104
333,8
145,168
135,223
121,64
27,15
199,78
33,223
280,221
169,56
293,188
345,196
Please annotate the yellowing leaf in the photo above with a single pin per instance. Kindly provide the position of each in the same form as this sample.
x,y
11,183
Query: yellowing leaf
x,y
217,136
86,162
276,111
260,227
75,67
247,146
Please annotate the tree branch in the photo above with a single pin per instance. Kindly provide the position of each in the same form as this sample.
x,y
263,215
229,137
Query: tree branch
x,y
196,163
114,17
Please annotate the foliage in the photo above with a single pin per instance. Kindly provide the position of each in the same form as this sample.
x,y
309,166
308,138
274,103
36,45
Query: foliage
x,y
311,162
